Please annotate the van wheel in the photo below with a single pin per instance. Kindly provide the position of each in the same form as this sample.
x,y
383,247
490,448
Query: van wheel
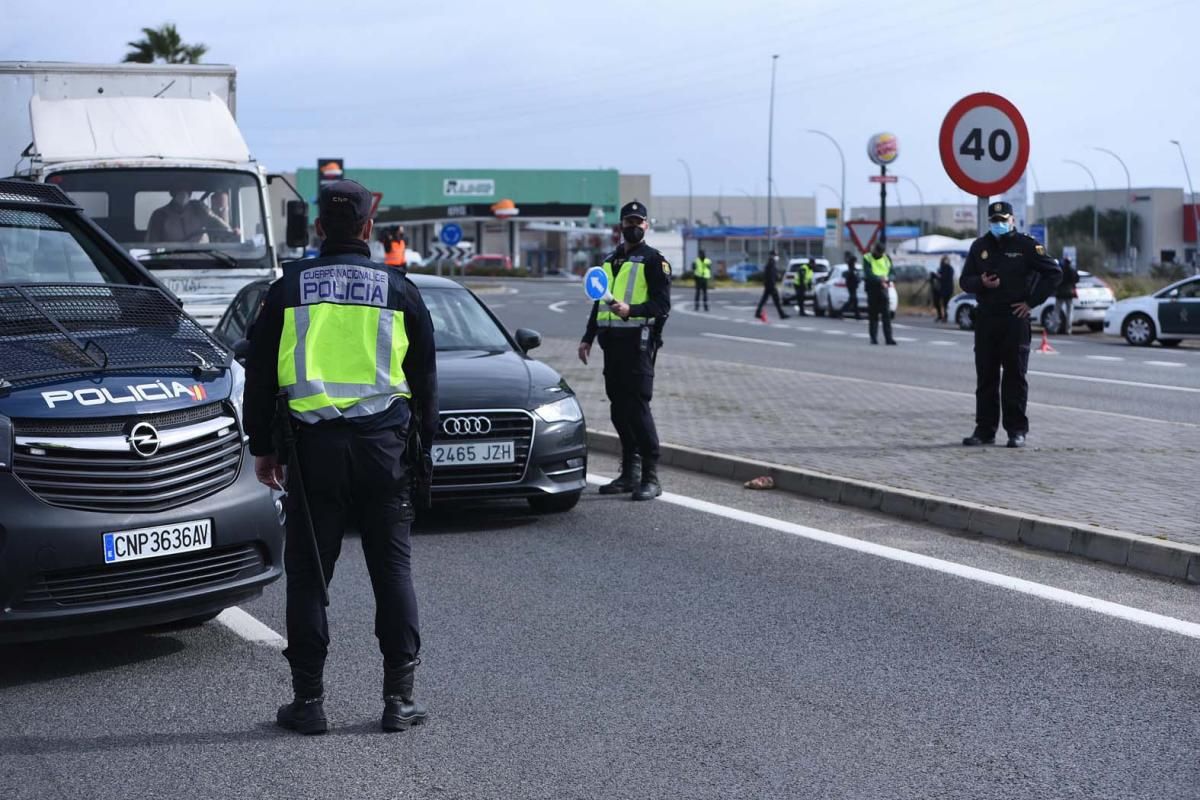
x,y
554,503
1138,330
965,318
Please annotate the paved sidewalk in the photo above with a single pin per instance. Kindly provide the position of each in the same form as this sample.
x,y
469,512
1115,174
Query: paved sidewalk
x,y
1109,470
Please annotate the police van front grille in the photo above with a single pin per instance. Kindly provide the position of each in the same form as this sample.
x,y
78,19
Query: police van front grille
x,y
108,426
106,480
141,580
515,426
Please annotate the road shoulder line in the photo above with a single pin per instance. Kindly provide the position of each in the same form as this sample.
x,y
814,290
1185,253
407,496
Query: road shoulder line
x,y
1120,548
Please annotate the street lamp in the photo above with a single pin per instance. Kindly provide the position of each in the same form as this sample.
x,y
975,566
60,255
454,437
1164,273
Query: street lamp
x,y
690,217
1192,197
921,218
842,194
1128,200
770,146
1095,200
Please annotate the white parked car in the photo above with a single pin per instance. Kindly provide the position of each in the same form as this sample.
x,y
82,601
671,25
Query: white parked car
x,y
820,273
1092,300
831,295
1169,315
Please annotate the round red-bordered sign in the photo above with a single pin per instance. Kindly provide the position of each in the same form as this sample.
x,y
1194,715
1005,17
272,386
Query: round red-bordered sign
x,y
984,144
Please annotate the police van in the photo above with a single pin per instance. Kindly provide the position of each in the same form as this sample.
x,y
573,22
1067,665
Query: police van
x,y
127,493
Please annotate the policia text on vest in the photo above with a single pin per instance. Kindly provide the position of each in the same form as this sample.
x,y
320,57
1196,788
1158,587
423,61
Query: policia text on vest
x,y
350,342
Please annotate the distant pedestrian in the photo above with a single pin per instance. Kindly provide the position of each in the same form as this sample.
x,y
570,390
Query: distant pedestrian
x,y
851,287
701,274
770,279
1010,274
877,274
1064,296
394,247
946,282
804,276
935,296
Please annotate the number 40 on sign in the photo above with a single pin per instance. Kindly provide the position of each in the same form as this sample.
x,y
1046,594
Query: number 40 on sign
x,y
984,144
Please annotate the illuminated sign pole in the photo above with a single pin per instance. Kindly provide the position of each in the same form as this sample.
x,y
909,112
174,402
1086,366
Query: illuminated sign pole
x,y
883,149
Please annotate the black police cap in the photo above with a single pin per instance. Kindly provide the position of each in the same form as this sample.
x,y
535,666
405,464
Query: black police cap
x,y
634,209
344,200
999,209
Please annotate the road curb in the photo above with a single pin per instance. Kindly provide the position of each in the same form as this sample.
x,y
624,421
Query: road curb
x,y
1120,548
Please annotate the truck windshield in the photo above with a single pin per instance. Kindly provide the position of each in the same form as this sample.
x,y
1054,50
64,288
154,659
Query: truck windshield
x,y
174,218
46,247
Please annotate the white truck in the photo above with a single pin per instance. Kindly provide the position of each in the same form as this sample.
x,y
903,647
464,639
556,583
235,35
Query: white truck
x,y
153,154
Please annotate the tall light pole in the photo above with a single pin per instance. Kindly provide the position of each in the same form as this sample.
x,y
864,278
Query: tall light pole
x,y
1128,201
921,218
1192,198
770,147
842,194
690,218
1095,200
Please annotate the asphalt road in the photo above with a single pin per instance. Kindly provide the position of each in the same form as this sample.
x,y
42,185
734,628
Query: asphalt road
x,y
655,650
1088,371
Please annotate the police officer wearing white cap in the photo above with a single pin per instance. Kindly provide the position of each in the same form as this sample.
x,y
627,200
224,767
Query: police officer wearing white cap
x,y
1009,273
630,333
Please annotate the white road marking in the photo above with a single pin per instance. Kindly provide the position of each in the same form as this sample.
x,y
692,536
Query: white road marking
x,y
1106,358
1020,585
1165,363
1117,382
250,628
747,339
943,343
835,333
861,335
557,308
906,339
805,328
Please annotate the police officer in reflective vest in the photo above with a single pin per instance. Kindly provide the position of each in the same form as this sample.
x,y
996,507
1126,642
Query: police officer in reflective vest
x,y
630,333
351,343
701,273
877,275
1009,273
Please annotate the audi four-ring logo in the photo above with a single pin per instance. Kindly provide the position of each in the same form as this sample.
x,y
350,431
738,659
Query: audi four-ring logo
x,y
466,426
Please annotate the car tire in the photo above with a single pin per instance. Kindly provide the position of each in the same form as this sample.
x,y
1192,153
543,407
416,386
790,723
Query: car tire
x,y
1170,342
554,503
1138,330
818,309
1051,320
965,318
1095,327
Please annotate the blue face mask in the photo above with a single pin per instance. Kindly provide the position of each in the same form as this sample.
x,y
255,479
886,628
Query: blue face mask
x,y
1000,228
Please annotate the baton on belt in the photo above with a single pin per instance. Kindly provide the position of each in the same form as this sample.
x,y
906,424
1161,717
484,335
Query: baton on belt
x,y
295,480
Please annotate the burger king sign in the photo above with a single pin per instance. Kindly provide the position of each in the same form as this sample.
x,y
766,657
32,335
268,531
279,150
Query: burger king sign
x,y
883,148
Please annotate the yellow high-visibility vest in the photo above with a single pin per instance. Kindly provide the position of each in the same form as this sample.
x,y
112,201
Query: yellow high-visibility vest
x,y
702,268
880,267
628,286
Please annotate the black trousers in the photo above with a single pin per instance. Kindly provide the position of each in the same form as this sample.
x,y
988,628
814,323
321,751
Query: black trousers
x,y
878,307
801,294
772,292
701,289
939,305
629,384
1001,360
851,306
354,480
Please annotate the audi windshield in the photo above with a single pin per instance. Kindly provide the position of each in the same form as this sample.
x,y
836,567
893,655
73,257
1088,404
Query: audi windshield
x,y
462,323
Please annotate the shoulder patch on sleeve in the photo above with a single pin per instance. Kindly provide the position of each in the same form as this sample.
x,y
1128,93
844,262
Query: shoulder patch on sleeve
x,y
666,268
1041,251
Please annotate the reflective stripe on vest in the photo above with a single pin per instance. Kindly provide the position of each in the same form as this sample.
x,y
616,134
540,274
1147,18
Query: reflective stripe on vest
x,y
339,360
703,268
880,267
630,292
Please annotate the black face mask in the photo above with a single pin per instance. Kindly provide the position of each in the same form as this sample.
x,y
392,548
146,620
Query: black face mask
x,y
633,234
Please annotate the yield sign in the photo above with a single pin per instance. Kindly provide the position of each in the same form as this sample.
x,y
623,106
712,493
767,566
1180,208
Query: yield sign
x,y
863,232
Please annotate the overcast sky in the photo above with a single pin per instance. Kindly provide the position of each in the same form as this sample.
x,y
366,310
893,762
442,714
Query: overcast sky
x,y
639,85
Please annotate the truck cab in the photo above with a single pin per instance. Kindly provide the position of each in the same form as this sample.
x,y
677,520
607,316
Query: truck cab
x,y
127,492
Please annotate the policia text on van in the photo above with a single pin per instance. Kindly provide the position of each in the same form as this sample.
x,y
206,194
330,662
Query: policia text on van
x,y
127,495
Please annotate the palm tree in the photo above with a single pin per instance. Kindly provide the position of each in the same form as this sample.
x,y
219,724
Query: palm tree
x,y
164,44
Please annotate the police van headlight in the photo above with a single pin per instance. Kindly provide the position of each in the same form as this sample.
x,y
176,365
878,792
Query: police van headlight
x,y
238,373
6,444
565,410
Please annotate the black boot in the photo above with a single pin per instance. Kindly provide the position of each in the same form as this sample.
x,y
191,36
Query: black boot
x,y
649,487
400,711
305,716
630,477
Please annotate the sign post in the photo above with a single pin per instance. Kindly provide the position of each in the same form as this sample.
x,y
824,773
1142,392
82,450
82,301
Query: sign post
x,y
883,149
984,145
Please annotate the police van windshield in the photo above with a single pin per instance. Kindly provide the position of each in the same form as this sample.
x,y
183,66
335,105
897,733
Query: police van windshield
x,y
174,218
42,247
460,323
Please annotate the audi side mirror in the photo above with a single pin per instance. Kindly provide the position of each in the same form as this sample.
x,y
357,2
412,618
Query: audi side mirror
x,y
297,223
527,340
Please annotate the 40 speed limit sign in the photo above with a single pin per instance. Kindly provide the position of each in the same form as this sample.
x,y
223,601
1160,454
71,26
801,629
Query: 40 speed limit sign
x,y
984,144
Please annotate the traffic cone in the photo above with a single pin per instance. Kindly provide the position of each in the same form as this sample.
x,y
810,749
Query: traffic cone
x,y
762,317
1045,347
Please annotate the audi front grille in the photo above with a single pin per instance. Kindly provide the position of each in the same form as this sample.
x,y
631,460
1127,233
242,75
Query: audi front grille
x,y
515,426
70,470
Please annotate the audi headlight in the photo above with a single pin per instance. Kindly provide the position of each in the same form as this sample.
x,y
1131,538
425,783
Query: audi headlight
x,y
565,410
238,373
